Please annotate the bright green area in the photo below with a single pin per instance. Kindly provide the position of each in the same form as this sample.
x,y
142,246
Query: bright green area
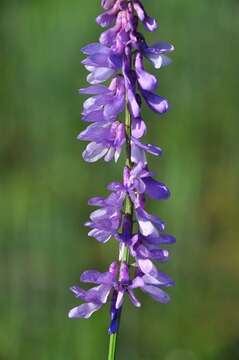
x,y
45,185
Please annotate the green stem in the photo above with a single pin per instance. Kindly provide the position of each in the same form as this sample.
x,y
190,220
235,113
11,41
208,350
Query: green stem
x,y
129,211
112,346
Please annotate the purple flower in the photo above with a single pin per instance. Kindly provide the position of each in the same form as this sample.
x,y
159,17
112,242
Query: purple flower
x,y
105,221
138,151
107,103
149,225
106,139
140,248
139,181
101,61
94,298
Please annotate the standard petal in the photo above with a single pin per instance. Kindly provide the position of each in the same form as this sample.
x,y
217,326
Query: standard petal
x,y
155,189
98,294
94,116
95,132
101,235
78,292
95,90
96,201
114,107
93,48
96,277
84,311
94,152
161,239
105,19
107,4
149,225
156,293
99,75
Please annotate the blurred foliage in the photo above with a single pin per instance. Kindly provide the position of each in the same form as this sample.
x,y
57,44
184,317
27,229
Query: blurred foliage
x,y
45,185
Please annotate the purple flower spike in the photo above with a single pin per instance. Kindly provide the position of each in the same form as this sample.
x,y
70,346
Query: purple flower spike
x,y
113,113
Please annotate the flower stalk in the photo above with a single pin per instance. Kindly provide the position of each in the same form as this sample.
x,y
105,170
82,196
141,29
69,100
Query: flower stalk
x,y
112,347
124,253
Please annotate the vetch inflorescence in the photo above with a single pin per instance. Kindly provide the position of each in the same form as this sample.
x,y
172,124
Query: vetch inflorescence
x,y
119,58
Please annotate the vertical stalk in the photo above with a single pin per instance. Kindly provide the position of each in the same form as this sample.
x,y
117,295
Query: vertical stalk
x,y
112,346
129,211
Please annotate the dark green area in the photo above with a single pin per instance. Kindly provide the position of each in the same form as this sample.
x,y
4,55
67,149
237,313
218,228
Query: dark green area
x,y
45,185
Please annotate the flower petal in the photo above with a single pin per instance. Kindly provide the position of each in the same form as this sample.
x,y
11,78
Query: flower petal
x,y
84,311
159,61
157,294
161,239
155,102
94,152
149,224
150,23
119,299
99,75
96,277
133,298
93,48
101,235
145,80
95,90
78,292
98,294
96,116
155,189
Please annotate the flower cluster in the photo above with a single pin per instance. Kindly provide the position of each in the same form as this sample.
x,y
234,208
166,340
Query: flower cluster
x,y
119,58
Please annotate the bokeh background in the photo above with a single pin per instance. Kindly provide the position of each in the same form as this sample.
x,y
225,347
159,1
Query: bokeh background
x,y
45,185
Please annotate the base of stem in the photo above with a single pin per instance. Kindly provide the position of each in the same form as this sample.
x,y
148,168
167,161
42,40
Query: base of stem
x,y
112,347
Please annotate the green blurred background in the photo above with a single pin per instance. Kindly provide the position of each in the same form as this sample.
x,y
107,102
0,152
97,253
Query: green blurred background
x,y
45,185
